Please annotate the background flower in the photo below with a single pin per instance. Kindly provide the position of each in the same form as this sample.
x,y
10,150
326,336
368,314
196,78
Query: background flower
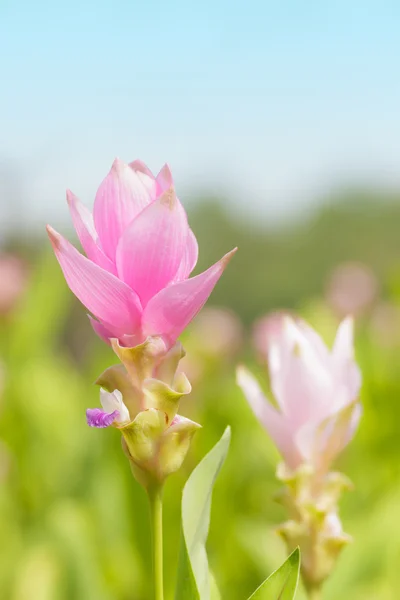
x,y
316,392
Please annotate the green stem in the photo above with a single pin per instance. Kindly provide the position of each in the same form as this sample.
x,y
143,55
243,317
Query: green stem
x,y
315,593
155,500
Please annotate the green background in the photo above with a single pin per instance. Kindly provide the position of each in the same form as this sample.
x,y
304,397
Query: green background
x,y
73,522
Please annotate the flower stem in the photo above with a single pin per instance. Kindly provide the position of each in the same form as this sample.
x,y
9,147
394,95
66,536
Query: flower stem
x,y
155,500
315,593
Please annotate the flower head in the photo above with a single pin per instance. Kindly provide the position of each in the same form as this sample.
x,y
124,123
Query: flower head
x,y
140,252
316,393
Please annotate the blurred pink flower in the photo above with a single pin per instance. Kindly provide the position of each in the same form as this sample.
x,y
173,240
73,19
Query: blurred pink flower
x,y
265,330
140,253
351,289
316,393
214,337
216,332
13,281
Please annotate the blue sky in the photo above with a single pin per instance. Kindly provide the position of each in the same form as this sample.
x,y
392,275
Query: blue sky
x,y
272,103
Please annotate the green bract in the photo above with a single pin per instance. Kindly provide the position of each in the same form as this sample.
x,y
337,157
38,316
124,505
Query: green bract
x,y
156,439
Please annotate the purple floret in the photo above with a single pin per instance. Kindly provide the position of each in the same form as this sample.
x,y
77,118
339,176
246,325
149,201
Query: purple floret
x,y
98,418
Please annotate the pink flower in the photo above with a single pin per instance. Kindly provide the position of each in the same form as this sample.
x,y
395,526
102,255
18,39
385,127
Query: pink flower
x,y
140,252
316,393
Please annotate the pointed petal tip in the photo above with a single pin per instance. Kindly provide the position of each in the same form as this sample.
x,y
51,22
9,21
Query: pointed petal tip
x,y
349,320
240,372
118,165
228,257
166,172
71,198
54,236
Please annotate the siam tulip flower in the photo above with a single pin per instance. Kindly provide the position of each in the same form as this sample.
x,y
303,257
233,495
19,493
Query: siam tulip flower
x,y
141,399
140,252
316,392
315,416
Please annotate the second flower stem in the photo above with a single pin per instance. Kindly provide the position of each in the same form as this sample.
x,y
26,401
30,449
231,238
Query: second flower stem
x,y
315,594
155,500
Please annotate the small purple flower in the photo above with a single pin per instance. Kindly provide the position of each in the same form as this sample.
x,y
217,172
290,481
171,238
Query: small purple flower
x,y
98,418
114,411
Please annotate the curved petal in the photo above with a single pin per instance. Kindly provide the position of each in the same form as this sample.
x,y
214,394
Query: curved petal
x,y
140,167
108,298
172,309
151,249
302,383
120,197
183,424
320,443
101,330
112,401
96,417
270,418
145,176
189,259
343,346
86,232
319,346
345,368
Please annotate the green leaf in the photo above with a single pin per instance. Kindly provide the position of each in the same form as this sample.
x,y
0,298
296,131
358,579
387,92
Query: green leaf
x,y
215,594
282,584
193,581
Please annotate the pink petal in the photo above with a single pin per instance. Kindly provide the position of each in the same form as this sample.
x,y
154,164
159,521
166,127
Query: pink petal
x,y
273,421
345,369
84,226
151,249
120,197
315,340
102,331
172,309
343,347
183,424
140,167
300,379
146,177
189,259
320,443
108,298
107,333
164,180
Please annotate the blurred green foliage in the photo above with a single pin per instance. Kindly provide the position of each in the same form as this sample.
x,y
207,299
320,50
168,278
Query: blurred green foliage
x,y
74,524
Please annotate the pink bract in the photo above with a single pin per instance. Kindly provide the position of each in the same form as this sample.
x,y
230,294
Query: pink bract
x,y
316,392
140,253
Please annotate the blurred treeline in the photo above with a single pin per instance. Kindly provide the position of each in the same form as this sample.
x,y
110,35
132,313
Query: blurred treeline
x,y
281,265
285,265
73,523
